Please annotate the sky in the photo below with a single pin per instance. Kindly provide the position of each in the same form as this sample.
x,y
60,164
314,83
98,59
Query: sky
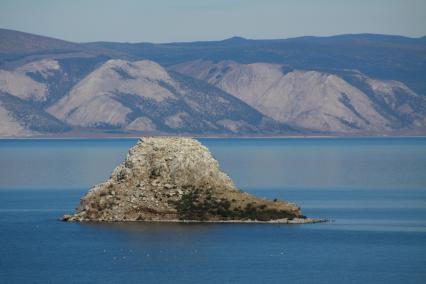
x,y
192,20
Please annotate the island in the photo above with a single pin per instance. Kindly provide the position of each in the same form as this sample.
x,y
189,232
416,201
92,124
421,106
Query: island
x,y
176,179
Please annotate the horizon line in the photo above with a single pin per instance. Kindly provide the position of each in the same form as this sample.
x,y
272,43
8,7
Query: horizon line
x,y
235,37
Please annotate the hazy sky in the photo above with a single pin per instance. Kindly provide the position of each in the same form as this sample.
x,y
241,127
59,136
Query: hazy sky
x,y
188,20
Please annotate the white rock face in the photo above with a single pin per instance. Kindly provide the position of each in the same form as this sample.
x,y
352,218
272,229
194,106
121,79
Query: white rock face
x,y
176,121
143,96
387,90
91,101
232,125
18,83
316,100
22,86
142,124
306,99
44,67
9,126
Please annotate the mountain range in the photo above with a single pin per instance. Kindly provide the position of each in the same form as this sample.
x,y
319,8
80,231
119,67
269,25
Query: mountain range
x,y
341,85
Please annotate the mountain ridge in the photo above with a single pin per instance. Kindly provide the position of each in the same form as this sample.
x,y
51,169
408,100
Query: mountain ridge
x,y
385,57
120,92
372,85
312,99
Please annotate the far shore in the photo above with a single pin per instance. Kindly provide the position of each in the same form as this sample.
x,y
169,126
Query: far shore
x,y
133,136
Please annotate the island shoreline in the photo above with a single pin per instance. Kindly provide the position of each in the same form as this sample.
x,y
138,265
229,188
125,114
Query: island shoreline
x,y
296,221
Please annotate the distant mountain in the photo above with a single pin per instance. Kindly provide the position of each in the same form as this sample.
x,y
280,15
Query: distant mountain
x,y
20,42
21,118
27,90
348,84
19,48
122,96
315,100
384,57
143,96
42,82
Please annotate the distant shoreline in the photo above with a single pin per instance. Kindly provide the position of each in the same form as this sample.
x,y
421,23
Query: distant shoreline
x,y
214,137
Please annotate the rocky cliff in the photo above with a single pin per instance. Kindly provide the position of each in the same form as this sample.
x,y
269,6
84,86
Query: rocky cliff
x,y
177,179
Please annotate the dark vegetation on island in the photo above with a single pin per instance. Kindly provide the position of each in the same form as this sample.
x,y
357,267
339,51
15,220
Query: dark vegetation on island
x,y
196,205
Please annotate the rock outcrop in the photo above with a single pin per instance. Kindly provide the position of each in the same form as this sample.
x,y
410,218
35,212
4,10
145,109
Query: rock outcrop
x,y
177,179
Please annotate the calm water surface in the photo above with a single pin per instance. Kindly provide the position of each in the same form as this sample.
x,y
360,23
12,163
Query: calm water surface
x,y
373,190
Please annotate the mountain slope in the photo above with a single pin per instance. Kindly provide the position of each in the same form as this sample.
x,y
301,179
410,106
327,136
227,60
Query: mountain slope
x,y
10,125
20,42
43,82
312,99
358,84
19,48
143,96
21,118
384,57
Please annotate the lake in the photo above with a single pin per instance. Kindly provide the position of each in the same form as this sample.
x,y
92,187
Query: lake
x,y
373,191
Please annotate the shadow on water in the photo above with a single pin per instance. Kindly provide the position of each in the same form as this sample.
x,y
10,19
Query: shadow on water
x,y
153,228
177,230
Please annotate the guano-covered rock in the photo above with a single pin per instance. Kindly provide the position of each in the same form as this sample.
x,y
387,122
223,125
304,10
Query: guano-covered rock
x,y
177,179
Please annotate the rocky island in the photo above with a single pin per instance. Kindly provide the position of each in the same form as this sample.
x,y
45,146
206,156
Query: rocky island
x,y
173,179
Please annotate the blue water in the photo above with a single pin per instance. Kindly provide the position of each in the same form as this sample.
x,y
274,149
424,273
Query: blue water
x,y
372,190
